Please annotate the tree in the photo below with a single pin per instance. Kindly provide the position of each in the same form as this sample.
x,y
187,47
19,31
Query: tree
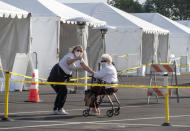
x,y
129,6
174,9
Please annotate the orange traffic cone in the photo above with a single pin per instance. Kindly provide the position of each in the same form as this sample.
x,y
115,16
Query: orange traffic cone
x,y
33,92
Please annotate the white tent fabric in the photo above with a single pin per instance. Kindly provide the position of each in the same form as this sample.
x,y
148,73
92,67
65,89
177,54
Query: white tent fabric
x,y
115,16
68,14
7,10
95,48
130,36
179,34
44,35
14,33
44,43
14,37
184,22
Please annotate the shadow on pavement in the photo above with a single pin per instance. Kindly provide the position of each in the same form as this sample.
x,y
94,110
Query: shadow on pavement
x,y
50,117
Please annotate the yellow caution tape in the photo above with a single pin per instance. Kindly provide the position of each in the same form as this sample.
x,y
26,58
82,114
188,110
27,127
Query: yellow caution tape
x,y
123,56
163,63
83,78
173,64
178,58
29,77
113,85
129,69
16,74
134,68
185,72
88,84
3,70
186,87
183,65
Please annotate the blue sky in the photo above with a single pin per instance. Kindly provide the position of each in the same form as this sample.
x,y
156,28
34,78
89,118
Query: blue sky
x,y
83,1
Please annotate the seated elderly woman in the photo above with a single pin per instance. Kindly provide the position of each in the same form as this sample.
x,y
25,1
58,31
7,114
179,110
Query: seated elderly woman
x,y
108,75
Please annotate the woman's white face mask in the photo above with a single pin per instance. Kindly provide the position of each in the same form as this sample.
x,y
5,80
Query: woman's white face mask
x,y
104,64
77,53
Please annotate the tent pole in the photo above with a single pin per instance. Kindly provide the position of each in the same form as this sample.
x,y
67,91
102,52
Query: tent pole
x,y
103,32
81,26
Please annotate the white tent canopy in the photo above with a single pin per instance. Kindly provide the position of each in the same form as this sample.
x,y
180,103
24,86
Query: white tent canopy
x,y
133,37
7,10
179,34
164,22
51,8
184,22
66,13
115,17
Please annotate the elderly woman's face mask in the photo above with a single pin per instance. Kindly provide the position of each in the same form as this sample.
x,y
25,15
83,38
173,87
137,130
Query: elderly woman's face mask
x,y
103,63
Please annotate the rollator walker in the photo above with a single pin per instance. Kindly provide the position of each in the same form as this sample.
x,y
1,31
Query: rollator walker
x,y
115,109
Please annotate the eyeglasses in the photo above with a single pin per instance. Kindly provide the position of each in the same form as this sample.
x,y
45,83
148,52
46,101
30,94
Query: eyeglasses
x,y
103,61
79,50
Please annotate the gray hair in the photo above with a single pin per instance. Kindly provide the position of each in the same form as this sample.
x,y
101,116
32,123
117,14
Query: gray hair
x,y
107,56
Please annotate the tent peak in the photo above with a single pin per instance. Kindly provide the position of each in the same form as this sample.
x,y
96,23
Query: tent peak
x,y
116,17
9,11
33,6
67,13
164,22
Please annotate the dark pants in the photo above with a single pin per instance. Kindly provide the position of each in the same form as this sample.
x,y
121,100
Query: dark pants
x,y
58,75
60,99
97,90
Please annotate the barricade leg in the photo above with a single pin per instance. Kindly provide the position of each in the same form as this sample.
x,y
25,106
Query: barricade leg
x,y
167,120
5,118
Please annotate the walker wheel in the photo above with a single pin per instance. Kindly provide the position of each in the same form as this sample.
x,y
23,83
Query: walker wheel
x,y
116,111
86,113
109,113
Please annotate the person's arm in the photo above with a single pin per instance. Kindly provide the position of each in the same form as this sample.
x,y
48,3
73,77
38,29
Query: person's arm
x,y
72,60
100,74
87,68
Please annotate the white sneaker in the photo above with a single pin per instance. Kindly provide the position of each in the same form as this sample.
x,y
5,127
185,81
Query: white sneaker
x,y
55,111
62,111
